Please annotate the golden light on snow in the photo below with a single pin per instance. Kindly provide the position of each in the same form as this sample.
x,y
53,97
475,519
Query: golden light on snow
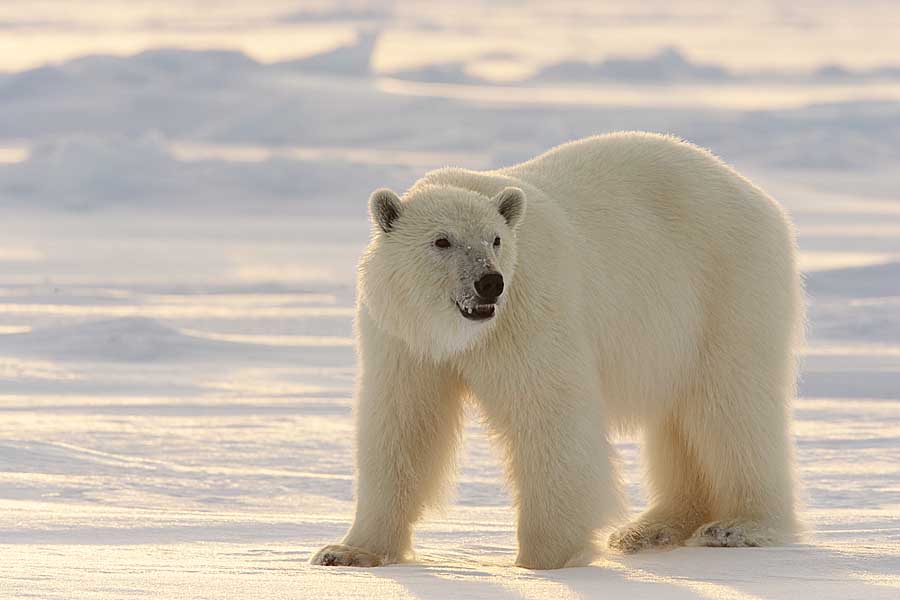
x,y
13,368
741,96
819,261
249,153
13,154
243,300
298,341
20,254
256,272
837,349
880,579
8,329
164,311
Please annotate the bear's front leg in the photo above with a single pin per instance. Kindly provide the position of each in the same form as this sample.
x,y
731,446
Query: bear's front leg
x,y
560,460
408,420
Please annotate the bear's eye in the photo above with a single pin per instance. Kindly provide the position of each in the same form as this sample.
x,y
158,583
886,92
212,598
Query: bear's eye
x,y
442,243
496,241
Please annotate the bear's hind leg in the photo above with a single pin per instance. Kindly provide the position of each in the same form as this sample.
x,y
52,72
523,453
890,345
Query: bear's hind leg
x,y
740,434
679,497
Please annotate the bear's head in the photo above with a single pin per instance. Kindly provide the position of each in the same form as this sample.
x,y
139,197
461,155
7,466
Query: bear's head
x,y
440,264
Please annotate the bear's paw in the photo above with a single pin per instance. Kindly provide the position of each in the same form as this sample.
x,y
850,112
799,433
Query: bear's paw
x,y
337,555
734,534
638,537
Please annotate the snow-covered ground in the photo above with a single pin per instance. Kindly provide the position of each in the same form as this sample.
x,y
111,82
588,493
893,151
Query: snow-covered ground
x,y
178,237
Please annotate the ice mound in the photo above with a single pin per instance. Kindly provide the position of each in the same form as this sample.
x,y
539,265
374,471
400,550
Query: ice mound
x,y
668,64
122,339
871,281
142,339
351,60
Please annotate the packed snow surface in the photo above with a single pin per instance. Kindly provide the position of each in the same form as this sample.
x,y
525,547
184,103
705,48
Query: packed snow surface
x,y
180,229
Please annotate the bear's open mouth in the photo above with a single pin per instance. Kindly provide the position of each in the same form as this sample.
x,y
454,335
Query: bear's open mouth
x,y
479,312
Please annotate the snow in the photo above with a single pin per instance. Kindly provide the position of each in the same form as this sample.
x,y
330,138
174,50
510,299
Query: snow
x,y
181,223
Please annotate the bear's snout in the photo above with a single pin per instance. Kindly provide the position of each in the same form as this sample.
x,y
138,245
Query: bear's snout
x,y
490,286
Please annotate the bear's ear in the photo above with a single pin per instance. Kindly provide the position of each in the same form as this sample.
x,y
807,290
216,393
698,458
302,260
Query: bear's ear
x,y
510,204
385,207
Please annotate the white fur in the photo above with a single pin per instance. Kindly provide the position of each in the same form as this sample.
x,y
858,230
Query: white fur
x,y
647,287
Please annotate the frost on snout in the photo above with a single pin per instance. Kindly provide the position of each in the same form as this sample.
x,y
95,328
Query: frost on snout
x,y
481,289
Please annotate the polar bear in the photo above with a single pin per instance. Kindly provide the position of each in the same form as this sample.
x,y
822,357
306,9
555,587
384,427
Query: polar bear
x,y
623,283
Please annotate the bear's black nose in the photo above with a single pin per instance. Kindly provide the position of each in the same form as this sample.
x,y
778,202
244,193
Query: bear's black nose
x,y
490,286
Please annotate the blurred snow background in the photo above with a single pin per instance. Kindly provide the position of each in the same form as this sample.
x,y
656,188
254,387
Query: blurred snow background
x,y
182,200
